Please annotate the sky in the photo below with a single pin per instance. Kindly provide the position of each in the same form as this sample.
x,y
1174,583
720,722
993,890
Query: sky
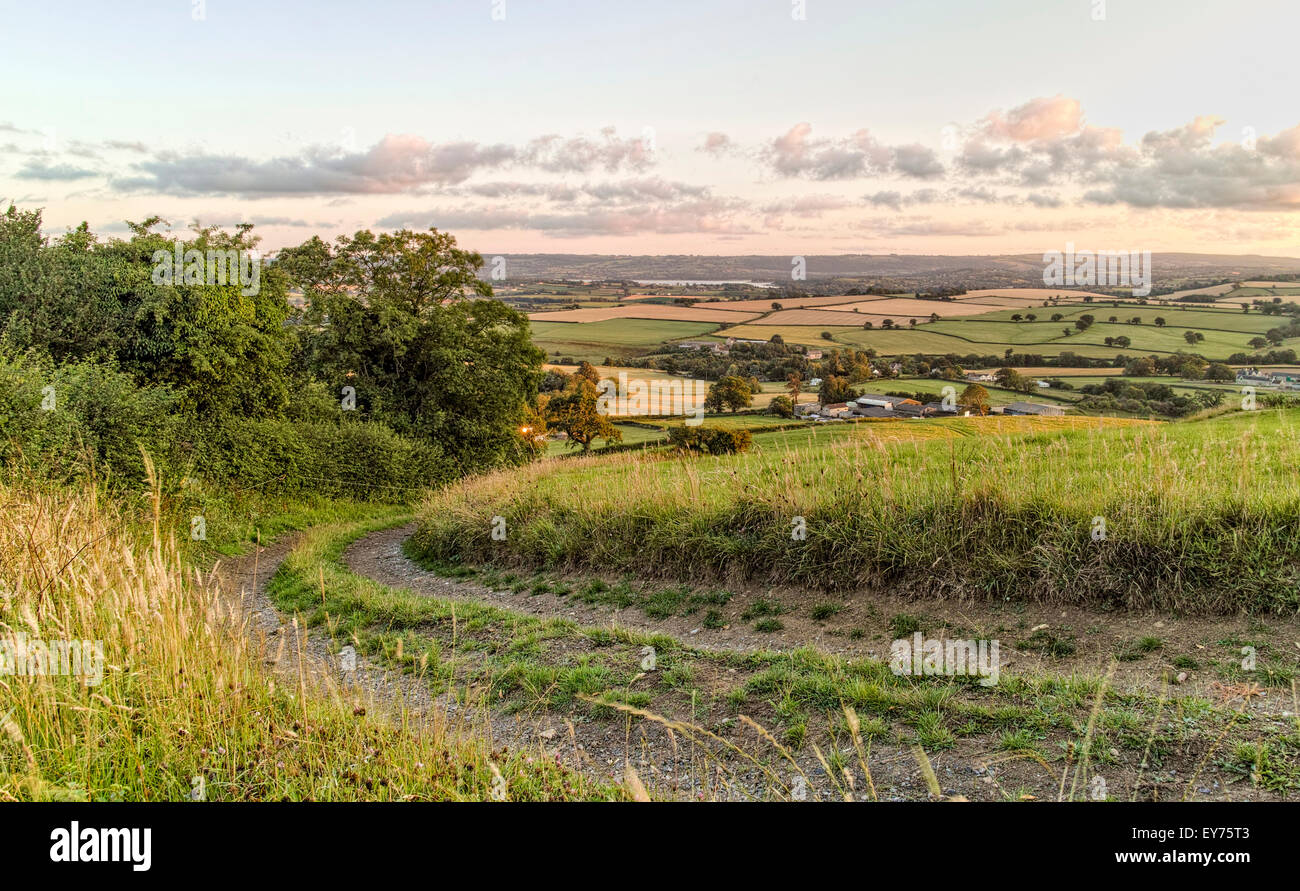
x,y
667,127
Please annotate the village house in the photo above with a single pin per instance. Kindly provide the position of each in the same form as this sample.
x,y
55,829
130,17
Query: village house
x,y
980,377
710,345
1255,378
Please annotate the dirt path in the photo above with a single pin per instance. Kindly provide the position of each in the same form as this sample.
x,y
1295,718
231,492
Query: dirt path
x,y
863,627
298,654
973,768
600,751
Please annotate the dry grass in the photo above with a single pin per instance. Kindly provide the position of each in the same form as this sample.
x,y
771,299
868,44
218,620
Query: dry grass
x,y
185,707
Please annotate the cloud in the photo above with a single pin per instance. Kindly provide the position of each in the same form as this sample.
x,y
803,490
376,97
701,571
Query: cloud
x,y
1038,119
716,143
1184,168
395,164
797,154
917,161
39,170
808,206
580,154
120,145
710,215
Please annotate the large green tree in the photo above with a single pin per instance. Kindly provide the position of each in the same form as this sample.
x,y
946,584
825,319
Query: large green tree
x,y
405,320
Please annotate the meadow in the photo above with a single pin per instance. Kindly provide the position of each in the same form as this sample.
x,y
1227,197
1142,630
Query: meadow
x,y
1199,516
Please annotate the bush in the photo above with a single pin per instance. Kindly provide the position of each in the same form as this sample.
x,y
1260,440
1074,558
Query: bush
x,y
714,440
357,459
83,418
781,406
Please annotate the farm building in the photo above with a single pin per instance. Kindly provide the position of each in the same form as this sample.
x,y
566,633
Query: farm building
x,y
878,400
1033,408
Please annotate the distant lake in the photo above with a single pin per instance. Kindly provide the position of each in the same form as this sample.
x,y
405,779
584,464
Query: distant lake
x,y
685,283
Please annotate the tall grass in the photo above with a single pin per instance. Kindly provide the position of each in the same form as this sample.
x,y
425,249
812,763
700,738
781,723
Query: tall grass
x,y
186,708
1199,517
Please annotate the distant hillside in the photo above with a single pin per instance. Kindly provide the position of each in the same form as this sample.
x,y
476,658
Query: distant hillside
x,y
908,272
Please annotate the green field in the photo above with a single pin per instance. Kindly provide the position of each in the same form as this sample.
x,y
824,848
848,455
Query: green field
x,y
1225,333
1225,328
1200,516
593,341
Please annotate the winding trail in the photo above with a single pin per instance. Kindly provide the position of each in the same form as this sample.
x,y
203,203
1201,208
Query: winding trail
x,y
668,765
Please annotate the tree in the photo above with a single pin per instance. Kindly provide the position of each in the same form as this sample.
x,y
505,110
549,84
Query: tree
x,y
403,319
1142,366
781,406
576,412
975,397
1217,371
1009,378
834,389
794,386
1160,321
588,371
731,392
1258,343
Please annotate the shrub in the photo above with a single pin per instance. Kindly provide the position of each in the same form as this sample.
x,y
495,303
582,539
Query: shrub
x,y
360,459
714,440
83,418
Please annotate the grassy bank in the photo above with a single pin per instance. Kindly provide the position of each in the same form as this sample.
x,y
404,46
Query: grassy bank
x,y
1199,517
184,707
